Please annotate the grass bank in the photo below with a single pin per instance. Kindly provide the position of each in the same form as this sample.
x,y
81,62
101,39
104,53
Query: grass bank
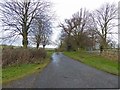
x,y
96,61
11,73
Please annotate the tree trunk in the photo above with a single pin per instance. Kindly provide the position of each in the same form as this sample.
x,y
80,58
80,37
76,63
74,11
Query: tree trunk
x,y
104,43
25,40
25,27
43,46
37,46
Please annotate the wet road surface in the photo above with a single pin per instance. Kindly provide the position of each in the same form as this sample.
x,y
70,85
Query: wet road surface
x,y
64,72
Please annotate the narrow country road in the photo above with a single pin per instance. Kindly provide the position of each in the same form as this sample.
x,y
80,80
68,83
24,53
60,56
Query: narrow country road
x,y
64,72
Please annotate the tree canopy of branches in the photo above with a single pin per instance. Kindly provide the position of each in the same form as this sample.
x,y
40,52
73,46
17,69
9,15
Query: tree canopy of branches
x,y
17,17
43,26
75,28
104,18
85,28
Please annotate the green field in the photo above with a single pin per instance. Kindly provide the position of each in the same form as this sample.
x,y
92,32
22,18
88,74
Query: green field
x,y
96,61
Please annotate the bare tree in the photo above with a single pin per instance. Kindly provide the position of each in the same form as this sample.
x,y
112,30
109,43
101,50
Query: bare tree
x,y
17,17
76,27
104,19
43,26
67,28
80,21
37,31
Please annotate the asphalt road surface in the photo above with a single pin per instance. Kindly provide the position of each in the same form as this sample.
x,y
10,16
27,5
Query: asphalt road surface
x,y
64,72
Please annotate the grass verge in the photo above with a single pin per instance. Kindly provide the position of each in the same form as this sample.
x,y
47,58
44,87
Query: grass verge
x,y
11,73
96,61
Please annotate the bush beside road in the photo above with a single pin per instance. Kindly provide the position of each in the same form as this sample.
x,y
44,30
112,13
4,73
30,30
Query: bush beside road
x,y
17,69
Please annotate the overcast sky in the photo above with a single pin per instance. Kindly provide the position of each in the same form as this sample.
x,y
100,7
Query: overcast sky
x,y
65,8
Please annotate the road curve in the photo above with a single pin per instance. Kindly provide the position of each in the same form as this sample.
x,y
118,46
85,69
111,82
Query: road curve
x,y
64,72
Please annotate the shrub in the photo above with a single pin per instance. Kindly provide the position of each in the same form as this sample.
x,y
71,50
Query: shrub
x,y
12,56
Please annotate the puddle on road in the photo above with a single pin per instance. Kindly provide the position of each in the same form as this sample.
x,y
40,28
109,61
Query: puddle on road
x,y
56,58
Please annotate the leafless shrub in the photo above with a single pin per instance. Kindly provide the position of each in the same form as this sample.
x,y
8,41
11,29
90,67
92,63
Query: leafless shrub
x,y
19,56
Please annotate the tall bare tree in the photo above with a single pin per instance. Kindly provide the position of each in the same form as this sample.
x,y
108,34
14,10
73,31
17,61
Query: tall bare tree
x,y
104,18
76,26
80,21
17,17
43,26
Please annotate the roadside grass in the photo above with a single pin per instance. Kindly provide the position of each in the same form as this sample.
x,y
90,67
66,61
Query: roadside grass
x,y
95,60
11,73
